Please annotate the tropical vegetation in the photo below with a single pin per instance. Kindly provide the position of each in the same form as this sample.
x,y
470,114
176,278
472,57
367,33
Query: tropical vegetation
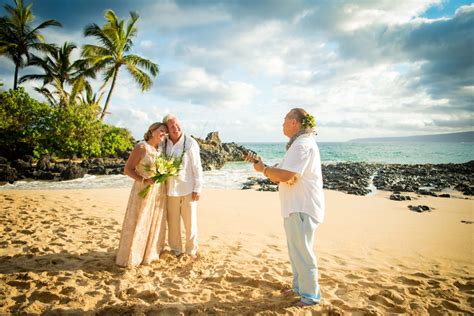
x,y
116,40
18,37
70,122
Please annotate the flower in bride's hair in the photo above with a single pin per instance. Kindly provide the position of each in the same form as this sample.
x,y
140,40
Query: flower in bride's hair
x,y
308,121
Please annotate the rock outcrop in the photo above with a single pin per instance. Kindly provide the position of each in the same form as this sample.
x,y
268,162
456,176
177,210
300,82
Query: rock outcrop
x,y
214,153
357,178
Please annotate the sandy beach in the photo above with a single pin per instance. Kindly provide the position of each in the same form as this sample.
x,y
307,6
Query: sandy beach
x,y
375,257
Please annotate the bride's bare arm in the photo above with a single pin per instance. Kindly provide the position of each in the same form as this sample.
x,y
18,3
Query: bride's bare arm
x,y
136,156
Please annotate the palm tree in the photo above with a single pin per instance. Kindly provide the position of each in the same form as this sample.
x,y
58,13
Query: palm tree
x,y
57,64
60,97
59,70
18,36
116,41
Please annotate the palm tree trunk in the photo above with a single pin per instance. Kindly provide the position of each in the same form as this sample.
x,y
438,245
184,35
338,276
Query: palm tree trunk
x,y
110,94
15,79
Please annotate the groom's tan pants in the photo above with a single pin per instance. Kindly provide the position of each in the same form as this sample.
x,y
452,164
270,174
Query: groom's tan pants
x,y
182,207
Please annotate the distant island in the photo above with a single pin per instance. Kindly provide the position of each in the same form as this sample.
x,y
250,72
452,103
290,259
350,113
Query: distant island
x,y
463,137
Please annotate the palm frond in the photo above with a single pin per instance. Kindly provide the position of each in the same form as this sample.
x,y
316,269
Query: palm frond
x,y
31,77
90,50
140,77
131,29
78,86
49,96
142,62
95,31
46,24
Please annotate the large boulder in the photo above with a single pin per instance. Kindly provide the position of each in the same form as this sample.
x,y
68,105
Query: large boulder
x,y
73,172
44,163
214,153
8,174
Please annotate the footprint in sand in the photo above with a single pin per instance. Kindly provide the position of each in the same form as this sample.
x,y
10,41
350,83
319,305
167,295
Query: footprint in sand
x,y
20,285
148,296
340,304
275,247
44,297
468,286
454,307
354,276
421,275
409,281
19,242
20,299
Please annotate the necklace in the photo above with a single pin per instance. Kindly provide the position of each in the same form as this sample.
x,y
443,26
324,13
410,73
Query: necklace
x,y
180,159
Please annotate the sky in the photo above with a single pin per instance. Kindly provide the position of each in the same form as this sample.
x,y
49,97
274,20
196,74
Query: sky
x,y
365,68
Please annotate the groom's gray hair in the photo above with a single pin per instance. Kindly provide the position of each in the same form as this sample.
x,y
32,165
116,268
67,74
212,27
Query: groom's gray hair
x,y
168,117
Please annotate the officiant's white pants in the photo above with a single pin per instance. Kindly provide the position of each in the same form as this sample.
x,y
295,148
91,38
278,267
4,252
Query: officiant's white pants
x,y
182,207
300,229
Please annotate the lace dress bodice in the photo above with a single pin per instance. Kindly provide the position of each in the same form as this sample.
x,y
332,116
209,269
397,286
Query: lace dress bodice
x,y
145,167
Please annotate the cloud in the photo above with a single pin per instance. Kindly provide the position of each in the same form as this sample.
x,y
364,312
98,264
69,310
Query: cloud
x,y
363,68
442,48
169,15
196,86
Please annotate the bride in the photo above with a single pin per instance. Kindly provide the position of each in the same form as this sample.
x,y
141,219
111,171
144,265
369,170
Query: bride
x,y
144,226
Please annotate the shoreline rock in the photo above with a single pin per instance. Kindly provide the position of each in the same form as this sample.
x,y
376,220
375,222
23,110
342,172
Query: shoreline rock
x,y
214,153
356,178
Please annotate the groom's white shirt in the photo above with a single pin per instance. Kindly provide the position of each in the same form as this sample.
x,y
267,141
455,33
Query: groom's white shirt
x,y
190,177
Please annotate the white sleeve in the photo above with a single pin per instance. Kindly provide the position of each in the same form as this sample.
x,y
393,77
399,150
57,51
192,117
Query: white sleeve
x,y
196,167
296,159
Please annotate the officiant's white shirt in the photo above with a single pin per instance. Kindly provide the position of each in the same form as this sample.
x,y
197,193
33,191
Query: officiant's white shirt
x,y
306,194
189,178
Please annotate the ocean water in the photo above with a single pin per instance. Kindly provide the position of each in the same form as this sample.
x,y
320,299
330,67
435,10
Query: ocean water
x,y
233,174
399,153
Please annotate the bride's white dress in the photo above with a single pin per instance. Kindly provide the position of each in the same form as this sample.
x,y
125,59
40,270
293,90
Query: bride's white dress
x,y
144,226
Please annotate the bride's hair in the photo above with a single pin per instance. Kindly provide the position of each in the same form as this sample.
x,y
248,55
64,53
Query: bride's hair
x,y
152,128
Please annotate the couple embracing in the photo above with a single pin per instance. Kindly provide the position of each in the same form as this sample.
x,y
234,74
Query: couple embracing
x,y
149,216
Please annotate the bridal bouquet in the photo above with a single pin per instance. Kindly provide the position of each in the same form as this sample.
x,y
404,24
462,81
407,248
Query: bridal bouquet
x,y
162,168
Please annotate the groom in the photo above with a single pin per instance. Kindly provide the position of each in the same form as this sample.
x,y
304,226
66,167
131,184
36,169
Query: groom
x,y
183,190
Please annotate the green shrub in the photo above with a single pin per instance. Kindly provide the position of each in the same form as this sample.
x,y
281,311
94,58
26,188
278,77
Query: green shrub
x,y
115,139
24,123
29,127
76,132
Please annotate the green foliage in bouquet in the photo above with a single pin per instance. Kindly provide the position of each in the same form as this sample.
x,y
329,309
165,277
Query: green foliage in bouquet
x,y
162,168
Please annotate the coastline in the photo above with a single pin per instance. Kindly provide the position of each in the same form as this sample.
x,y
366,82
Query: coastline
x,y
374,254
358,178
